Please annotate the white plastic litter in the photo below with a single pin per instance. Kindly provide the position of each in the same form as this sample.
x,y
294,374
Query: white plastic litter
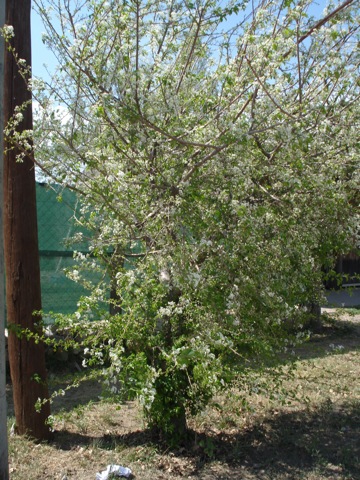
x,y
117,470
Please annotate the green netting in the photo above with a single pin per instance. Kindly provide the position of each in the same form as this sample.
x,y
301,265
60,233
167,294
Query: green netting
x,y
56,208
58,293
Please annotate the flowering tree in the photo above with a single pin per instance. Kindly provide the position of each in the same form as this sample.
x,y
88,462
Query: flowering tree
x,y
215,147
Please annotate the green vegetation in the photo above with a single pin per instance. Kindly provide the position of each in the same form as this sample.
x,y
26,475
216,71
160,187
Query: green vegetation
x,y
306,429
216,165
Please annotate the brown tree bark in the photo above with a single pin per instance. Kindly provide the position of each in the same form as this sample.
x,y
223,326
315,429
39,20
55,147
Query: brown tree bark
x,y
23,292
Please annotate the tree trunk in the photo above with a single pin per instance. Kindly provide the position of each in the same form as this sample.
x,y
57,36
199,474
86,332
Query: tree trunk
x,y
23,293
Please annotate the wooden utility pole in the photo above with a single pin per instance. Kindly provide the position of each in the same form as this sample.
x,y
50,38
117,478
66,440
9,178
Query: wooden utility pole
x,y
23,292
4,464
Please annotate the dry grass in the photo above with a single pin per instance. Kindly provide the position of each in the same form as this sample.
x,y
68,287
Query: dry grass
x,y
247,436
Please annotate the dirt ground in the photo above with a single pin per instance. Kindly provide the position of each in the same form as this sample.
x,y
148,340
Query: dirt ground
x,y
313,435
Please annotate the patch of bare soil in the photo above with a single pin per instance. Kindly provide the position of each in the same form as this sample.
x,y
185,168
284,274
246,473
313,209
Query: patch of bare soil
x,y
315,437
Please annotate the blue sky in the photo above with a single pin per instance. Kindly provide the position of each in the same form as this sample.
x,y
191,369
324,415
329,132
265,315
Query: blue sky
x,y
42,56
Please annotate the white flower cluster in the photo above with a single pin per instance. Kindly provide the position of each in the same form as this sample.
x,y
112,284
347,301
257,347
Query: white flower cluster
x,y
148,392
171,308
8,31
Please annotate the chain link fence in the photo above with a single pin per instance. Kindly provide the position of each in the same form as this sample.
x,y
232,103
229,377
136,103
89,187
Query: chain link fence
x,y
56,208
56,226
56,211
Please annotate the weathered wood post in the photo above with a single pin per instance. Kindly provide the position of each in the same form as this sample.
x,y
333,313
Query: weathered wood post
x,y
4,465
23,291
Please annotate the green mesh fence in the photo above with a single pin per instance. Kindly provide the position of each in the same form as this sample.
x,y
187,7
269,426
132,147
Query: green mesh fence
x,y
56,225
56,211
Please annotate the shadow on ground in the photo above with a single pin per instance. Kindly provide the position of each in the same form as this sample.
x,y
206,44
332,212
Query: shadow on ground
x,y
326,440
89,391
333,332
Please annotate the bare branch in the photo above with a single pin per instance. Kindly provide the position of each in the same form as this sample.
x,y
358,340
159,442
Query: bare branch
x,y
324,20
